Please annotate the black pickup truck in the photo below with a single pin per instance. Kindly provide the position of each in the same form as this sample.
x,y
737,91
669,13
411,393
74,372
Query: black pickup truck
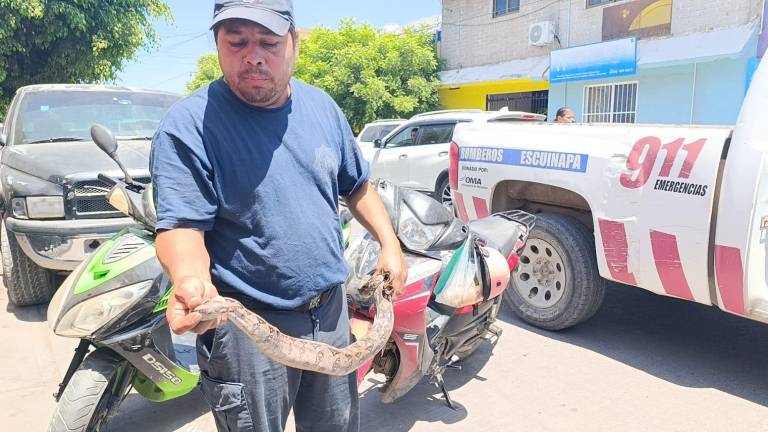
x,y
54,210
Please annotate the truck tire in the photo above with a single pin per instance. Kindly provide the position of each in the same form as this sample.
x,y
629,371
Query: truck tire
x,y
557,284
27,283
94,392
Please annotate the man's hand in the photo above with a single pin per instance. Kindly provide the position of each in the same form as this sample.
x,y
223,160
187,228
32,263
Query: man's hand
x,y
392,260
188,295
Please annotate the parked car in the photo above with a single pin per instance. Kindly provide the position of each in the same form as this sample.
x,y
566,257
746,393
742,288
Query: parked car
x,y
373,131
415,155
54,209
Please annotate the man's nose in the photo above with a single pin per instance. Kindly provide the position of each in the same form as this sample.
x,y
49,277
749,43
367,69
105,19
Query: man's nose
x,y
254,57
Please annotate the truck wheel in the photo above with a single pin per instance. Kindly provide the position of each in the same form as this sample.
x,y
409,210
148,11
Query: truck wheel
x,y
557,284
93,394
27,283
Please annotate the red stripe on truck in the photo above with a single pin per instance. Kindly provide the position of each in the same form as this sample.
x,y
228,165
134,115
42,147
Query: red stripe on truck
x,y
458,199
730,278
481,208
616,250
666,254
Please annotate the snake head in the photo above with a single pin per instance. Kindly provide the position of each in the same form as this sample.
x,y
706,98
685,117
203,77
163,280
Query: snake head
x,y
216,307
378,280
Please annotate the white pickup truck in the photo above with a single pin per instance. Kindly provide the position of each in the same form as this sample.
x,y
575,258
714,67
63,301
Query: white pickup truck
x,y
680,211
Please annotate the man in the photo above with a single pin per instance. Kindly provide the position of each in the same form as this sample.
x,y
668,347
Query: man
x,y
564,115
248,172
414,134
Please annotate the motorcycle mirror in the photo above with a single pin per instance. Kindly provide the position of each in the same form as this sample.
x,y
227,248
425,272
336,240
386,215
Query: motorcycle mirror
x,y
106,141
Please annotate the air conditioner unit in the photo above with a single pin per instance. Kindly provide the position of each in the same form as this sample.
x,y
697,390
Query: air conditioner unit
x,y
541,33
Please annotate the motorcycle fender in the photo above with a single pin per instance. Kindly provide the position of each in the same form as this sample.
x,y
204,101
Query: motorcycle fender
x,y
410,370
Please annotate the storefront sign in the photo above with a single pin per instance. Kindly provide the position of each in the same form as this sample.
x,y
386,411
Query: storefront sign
x,y
641,18
595,61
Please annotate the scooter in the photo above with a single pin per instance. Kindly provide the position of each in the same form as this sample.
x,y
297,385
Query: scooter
x,y
457,274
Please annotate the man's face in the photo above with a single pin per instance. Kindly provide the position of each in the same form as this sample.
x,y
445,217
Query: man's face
x,y
413,135
566,118
257,64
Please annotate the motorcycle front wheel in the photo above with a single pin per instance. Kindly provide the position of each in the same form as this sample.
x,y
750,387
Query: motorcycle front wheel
x,y
93,394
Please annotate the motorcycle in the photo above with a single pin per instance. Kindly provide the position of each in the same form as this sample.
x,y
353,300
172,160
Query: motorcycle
x,y
452,298
115,302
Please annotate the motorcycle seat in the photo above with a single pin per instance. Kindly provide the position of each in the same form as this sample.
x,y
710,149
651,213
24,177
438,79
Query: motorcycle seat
x,y
498,232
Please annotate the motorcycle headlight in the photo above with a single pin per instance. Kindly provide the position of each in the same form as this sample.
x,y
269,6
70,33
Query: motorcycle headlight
x,y
45,207
414,234
87,317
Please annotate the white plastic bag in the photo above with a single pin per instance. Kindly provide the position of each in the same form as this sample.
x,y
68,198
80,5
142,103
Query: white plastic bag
x,y
460,284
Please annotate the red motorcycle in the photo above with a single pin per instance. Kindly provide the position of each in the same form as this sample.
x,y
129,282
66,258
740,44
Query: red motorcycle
x,y
456,275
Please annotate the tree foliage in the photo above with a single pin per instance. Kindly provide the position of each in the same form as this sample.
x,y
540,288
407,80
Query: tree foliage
x,y
71,41
208,69
372,74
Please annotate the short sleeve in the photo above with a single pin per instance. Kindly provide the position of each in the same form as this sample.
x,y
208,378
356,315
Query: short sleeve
x,y
183,182
354,170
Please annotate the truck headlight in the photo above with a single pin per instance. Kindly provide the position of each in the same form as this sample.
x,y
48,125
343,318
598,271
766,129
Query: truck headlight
x,y
45,207
87,317
39,207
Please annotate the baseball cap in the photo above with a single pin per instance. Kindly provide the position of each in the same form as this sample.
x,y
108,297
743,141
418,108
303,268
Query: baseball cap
x,y
275,15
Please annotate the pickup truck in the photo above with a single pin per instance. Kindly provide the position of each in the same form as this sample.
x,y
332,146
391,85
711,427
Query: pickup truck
x,y
681,211
54,209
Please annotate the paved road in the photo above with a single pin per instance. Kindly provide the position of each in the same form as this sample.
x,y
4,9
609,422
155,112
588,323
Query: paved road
x,y
643,363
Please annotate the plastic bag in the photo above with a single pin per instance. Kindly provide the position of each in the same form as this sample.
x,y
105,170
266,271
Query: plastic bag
x,y
460,284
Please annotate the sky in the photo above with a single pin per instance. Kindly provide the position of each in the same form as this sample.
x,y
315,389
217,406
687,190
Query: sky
x,y
171,65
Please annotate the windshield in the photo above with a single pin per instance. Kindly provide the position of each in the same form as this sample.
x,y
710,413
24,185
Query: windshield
x,y
56,116
374,132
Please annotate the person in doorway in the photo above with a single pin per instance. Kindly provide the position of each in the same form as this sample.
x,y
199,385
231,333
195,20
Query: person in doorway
x,y
248,172
564,115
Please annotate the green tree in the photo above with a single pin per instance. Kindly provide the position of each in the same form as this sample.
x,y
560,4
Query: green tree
x,y
72,41
208,69
372,74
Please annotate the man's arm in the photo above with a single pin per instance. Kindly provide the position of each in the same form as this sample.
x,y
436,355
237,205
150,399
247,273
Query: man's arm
x,y
185,259
366,206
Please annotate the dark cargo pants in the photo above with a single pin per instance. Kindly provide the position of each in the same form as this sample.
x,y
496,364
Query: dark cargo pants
x,y
249,392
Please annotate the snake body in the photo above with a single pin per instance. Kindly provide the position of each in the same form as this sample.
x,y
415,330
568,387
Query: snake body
x,y
306,354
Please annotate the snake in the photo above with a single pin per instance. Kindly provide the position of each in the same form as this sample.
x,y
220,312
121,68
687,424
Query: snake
x,y
307,354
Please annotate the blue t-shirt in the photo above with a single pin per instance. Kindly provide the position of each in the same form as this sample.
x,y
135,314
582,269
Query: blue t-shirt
x,y
264,186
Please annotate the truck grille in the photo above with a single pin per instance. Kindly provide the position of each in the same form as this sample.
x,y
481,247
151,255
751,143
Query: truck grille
x,y
90,199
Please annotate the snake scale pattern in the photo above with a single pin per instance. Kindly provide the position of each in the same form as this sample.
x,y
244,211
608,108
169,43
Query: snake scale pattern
x,y
306,354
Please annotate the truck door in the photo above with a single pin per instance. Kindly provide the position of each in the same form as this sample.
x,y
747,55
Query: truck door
x,y
742,215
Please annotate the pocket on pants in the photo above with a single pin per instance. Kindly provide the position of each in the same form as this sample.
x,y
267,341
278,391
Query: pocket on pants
x,y
228,403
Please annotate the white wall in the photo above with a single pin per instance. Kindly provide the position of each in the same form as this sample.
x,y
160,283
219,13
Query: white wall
x,y
472,37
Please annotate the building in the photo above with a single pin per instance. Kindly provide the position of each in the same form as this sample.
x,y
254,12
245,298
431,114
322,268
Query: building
x,y
684,61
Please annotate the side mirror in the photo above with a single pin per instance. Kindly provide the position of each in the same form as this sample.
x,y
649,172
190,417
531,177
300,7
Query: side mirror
x,y
104,139
2,138
378,143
